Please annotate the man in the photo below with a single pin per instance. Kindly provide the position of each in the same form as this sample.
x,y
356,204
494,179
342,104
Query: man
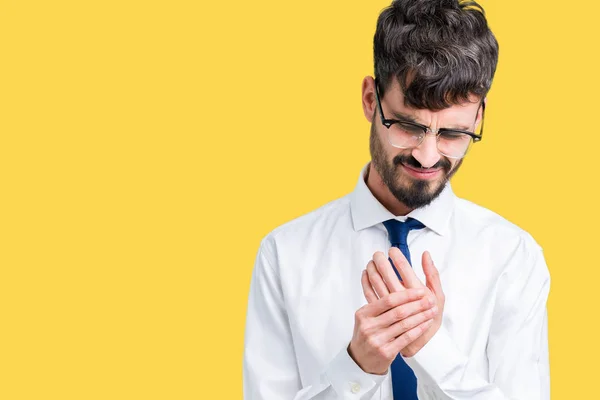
x,y
329,317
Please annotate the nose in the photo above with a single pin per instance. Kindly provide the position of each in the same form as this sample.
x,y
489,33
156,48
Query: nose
x,y
427,152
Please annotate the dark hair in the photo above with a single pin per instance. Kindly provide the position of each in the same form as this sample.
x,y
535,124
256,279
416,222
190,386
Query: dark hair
x,y
440,50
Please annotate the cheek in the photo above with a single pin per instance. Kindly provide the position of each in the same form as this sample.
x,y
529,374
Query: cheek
x,y
387,151
454,164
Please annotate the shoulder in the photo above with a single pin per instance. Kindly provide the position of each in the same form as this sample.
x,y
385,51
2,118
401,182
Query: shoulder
x,y
488,225
511,250
312,225
517,258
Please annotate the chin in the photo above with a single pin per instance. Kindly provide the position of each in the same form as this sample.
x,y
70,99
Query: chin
x,y
424,184
415,185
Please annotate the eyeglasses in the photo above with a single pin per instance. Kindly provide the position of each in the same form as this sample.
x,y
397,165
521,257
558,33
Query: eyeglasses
x,y
452,143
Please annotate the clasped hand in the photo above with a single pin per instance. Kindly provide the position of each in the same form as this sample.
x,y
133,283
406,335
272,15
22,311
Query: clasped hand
x,y
400,316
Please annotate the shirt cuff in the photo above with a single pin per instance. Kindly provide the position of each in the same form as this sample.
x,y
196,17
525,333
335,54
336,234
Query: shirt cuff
x,y
349,381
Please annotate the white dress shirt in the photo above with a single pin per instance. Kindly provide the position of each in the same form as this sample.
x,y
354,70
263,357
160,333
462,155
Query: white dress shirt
x,y
306,288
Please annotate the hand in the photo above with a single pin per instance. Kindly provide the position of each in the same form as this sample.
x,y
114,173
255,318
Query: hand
x,y
383,282
386,325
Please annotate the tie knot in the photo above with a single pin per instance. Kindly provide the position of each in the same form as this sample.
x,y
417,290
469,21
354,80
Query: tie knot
x,y
398,231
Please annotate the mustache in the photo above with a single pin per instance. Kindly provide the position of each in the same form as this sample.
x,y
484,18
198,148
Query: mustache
x,y
410,161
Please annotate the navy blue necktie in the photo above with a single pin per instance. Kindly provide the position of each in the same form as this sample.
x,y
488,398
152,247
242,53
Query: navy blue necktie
x,y
404,381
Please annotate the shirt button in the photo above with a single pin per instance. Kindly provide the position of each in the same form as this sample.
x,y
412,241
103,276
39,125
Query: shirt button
x,y
355,388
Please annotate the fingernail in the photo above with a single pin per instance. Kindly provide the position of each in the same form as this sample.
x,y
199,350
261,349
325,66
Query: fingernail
x,y
431,301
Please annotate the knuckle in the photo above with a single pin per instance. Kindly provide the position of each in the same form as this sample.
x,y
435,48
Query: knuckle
x,y
382,353
360,315
364,331
388,301
402,325
402,340
412,334
373,342
393,298
387,354
399,313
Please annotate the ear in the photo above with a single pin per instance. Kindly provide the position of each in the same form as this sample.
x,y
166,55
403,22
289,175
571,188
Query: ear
x,y
480,112
369,102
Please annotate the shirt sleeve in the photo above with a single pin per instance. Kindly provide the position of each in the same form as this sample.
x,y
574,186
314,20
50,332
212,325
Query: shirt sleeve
x,y
270,370
517,347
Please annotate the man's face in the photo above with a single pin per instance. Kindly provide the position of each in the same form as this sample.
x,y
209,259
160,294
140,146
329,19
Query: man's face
x,y
416,176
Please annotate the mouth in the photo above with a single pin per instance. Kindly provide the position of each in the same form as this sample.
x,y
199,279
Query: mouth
x,y
421,173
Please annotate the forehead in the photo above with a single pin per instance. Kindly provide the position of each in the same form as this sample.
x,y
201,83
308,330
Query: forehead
x,y
457,113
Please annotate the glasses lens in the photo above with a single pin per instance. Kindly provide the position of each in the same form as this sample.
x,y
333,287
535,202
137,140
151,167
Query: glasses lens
x,y
454,144
405,135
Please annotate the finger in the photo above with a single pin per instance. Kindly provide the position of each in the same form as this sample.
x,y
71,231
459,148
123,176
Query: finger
x,y
432,276
396,345
394,299
387,272
398,328
409,279
376,280
404,311
370,294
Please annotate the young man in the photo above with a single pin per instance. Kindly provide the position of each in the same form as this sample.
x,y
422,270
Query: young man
x,y
328,315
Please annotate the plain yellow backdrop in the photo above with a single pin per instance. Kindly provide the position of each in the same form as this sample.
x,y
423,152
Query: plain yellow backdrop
x,y
146,147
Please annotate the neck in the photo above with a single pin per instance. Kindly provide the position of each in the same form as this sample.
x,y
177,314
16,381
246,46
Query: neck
x,y
382,193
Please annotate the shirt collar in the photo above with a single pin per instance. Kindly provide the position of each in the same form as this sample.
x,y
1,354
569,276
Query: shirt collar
x,y
368,211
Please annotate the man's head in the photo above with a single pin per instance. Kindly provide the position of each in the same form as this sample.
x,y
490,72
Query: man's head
x,y
434,63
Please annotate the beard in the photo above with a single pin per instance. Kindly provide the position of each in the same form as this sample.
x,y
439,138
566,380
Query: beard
x,y
412,192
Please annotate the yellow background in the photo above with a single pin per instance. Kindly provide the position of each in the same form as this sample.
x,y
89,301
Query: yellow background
x,y
146,147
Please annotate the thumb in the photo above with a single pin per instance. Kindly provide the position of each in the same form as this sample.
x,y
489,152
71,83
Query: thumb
x,y
432,275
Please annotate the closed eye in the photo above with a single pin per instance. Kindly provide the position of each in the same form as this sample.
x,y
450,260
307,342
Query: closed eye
x,y
410,128
453,135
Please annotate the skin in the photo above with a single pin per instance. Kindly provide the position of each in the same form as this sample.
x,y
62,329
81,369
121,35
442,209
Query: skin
x,y
401,317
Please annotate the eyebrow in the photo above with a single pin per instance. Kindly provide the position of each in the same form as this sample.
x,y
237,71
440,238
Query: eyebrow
x,y
404,117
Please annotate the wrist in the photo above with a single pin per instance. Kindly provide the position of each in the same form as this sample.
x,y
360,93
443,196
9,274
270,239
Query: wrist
x,y
367,370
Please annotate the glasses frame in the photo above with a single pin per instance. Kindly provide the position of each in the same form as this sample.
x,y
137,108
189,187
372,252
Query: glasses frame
x,y
389,122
